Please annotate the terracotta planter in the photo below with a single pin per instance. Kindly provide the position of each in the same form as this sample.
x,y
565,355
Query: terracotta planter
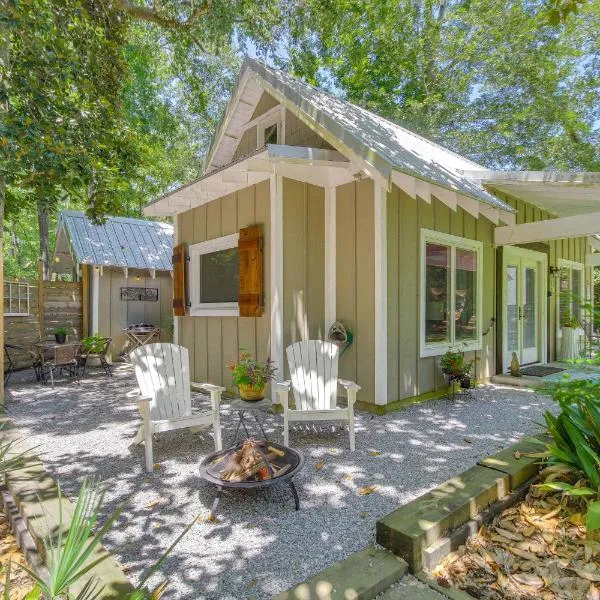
x,y
251,393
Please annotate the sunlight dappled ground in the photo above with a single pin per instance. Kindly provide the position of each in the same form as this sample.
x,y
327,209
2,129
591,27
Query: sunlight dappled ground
x,y
260,545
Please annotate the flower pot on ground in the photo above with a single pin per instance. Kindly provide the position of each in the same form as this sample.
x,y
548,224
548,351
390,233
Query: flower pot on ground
x,y
465,382
60,335
251,376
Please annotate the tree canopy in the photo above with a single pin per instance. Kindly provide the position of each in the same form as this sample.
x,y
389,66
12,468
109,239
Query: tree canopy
x,y
107,103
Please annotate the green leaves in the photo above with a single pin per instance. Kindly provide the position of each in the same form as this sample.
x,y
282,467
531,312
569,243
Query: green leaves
x,y
576,444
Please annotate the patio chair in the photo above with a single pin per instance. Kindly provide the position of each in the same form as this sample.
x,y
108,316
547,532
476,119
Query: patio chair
x,y
65,357
10,361
313,369
106,366
165,400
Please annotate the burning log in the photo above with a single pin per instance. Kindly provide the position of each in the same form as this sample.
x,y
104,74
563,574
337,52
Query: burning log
x,y
254,460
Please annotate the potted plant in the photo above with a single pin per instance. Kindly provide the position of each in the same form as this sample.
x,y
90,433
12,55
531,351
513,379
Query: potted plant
x,y
457,368
251,376
60,334
93,345
571,333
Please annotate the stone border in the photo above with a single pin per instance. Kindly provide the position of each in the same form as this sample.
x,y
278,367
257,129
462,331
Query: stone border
x,y
34,507
361,576
427,529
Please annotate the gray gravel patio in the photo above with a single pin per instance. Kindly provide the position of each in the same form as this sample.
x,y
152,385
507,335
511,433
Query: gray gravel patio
x,y
260,546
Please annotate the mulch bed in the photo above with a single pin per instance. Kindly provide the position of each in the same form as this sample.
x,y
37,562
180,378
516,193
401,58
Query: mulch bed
x,y
537,549
20,583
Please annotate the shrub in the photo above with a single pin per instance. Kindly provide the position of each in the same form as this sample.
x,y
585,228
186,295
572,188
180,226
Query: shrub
x,y
575,444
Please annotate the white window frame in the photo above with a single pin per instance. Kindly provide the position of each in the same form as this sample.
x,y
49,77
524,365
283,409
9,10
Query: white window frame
x,y
210,309
21,298
264,123
563,263
453,242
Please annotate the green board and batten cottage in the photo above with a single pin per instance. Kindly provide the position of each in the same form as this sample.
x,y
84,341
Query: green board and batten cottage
x,y
413,247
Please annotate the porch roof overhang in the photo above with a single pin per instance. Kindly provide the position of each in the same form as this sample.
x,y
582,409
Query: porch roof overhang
x,y
326,168
572,198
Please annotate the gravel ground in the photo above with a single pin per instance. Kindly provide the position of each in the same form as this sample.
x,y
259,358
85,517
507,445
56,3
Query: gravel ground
x,y
260,545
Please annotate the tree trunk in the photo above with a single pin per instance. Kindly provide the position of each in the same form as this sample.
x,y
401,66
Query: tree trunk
x,y
43,224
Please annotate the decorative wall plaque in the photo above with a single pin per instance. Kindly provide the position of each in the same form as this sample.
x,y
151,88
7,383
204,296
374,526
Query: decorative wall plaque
x,y
139,293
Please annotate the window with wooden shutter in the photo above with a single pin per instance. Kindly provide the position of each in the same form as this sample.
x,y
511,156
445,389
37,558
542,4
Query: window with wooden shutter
x,y
179,299
250,246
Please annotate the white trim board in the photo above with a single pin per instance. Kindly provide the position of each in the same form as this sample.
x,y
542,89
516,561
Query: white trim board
x,y
539,231
330,256
276,261
380,290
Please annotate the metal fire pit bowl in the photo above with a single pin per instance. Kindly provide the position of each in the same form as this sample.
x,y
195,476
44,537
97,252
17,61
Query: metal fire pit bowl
x,y
209,471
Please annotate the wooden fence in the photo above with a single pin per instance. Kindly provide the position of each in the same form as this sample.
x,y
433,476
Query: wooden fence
x,y
25,323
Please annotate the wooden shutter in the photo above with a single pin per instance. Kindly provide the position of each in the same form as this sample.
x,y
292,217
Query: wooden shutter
x,y
179,299
250,248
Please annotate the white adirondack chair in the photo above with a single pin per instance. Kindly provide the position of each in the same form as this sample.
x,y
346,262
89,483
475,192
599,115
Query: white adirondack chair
x,y
165,402
314,380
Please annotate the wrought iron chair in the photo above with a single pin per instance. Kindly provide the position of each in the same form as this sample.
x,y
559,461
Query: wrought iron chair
x,y
65,357
102,356
10,361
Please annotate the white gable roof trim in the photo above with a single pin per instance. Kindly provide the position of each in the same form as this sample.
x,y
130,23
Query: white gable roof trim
x,y
119,242
379,146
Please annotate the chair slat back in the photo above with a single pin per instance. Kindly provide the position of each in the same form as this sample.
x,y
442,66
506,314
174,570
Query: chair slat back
x,y
65,355
162,372
314,371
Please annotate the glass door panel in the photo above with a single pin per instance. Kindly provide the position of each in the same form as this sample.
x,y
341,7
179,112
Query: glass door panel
x,y
529,316
512,309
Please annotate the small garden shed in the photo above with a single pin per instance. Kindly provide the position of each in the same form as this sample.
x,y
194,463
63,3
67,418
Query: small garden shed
x,y
124,266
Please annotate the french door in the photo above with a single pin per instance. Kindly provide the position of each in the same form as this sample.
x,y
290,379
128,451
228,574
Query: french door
x,y
524,314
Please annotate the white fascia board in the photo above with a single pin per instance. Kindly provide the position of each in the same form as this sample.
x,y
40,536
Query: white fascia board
x,y
594,243
592,259
564,227
565,177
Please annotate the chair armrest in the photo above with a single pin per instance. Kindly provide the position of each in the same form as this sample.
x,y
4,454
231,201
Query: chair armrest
x,y
209,387
283,389
134,397
349,385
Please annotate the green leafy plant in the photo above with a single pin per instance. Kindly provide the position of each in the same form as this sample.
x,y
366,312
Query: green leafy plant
x,y
248,371
61,330
93,344
568,319
69,555
454,364
573,454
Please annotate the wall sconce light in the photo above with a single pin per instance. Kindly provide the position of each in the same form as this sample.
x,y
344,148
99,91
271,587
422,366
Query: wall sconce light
x,y
57,259
553,271
137,277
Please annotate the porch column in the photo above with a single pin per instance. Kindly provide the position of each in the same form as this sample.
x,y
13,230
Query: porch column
x,y
330,257
276,284
381,361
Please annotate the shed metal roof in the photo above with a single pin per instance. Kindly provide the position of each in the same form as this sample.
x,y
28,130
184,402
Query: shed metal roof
x,y
119,242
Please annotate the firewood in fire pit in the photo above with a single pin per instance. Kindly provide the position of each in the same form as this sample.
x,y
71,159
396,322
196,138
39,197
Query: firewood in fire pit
x,y
251,460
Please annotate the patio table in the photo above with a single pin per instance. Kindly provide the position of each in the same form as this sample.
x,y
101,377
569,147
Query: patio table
x,y
139,336
257,409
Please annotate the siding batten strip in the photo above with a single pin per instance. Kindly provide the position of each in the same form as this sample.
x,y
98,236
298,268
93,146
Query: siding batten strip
x,y
276,247
381,333
330,257
95,298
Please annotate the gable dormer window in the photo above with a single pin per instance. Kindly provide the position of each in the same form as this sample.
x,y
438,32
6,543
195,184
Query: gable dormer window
x,y
268,130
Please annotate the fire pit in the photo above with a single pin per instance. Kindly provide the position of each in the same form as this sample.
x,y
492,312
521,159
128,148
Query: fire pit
x,y
251,464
